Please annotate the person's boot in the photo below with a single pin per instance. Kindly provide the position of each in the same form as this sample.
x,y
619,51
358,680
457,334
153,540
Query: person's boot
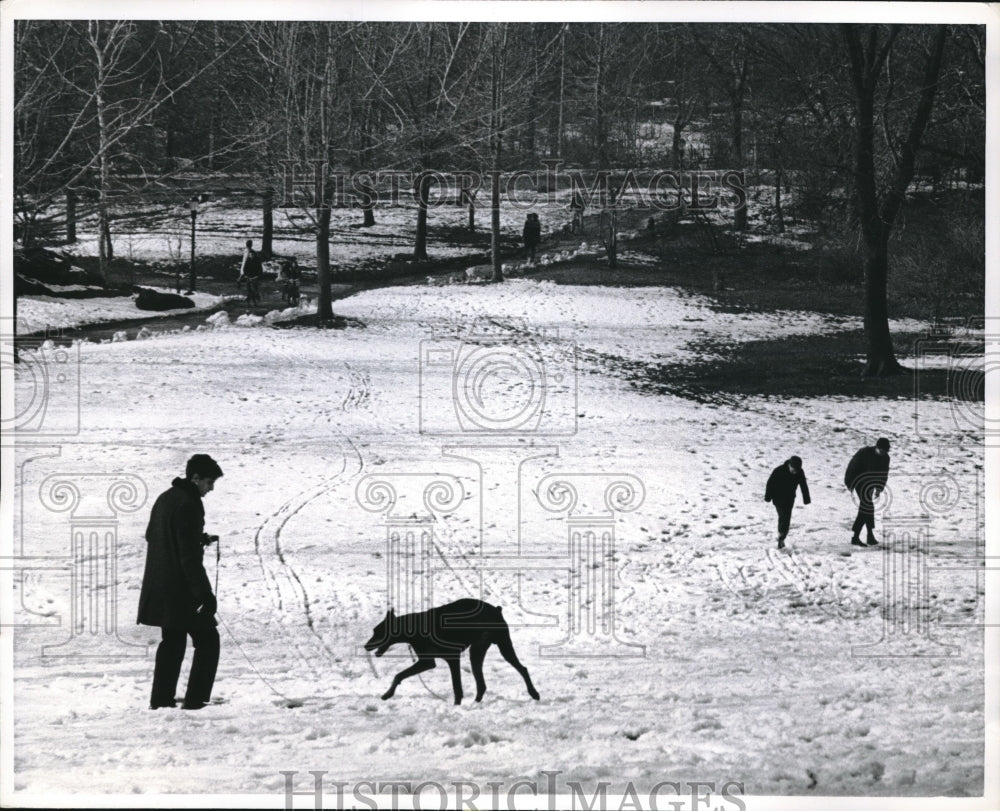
x,y
872,541
194,705
155,705
781,543
856,541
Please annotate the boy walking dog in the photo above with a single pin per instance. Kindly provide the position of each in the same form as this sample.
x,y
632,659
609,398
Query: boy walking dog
x,y
176,594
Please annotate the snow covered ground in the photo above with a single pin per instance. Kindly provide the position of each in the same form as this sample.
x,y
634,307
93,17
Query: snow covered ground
x,y
225,224
38,313
699,652
159,234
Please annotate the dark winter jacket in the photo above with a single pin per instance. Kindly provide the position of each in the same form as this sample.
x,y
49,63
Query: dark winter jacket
x,y
532,232
867,469
175,582
253,265
781,486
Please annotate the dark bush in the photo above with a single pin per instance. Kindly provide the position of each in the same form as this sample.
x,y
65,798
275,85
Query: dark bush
x,y
157,301
49,267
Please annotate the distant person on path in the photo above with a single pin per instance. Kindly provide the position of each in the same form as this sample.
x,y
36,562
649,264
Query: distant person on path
x,y
866,475
532,235
288,279
176,593
251,271
577,206
784,480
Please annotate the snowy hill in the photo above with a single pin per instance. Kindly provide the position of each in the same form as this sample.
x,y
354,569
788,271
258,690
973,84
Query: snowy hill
x,y
698,651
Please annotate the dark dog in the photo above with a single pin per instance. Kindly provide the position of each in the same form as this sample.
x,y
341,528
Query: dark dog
x,y
443,633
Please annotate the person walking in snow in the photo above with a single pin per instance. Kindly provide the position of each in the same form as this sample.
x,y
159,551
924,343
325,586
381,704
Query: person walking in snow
x,y
251,270
866,477
532,235
784,480
176,593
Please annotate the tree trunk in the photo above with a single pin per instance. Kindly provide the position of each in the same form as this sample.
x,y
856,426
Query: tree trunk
x,y
556,136
423,192
104,249
676,148
191,279
495,227
267,237
777,201
71,216
600,120
881,359
472,213
213,116
369,197
740,215
611,243
496,143
875,235
533,97
27,229
866,67
324,307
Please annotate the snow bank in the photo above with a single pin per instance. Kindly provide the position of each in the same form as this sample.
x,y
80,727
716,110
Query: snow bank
x,y
38,313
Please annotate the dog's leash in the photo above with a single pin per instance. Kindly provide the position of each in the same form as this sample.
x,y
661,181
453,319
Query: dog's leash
x,y
289,703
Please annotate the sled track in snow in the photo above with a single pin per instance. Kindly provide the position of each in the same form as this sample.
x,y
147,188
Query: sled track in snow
x,y
289,590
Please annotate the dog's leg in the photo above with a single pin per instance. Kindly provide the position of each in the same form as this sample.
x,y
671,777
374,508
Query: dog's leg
x,y
456,677
507,651
476,655
418,667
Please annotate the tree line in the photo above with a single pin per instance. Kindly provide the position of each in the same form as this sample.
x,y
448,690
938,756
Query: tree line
x,y
846,115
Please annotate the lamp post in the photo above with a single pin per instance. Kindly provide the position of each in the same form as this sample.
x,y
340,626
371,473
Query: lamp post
x,y
193,208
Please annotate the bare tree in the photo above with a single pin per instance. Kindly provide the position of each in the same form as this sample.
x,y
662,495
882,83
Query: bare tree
x,y
429,94
869,48
498,52
556,140
86,97
309,64
727,51
41,161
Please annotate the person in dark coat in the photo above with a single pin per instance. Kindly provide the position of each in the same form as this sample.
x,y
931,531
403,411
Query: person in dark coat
x,y
866,476
532,235
176,593
251,272
784,480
